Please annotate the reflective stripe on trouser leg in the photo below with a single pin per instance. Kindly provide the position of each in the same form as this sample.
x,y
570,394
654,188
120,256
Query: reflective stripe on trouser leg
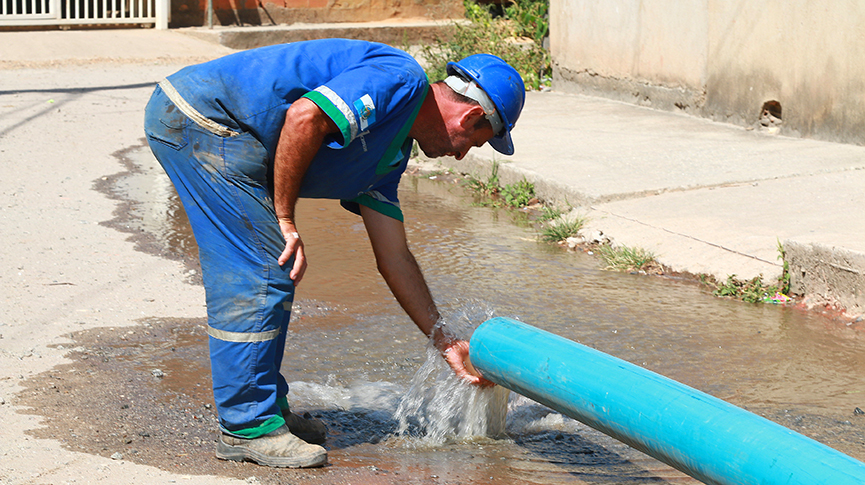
x,y
222,183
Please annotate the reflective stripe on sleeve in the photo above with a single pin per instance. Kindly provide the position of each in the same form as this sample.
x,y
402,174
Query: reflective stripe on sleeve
x,y
343,108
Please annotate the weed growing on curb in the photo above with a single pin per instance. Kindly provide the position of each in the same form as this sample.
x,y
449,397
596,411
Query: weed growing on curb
x,y
492,194
561,228
488,188
784,281
625,258
549,214
755,290
518,194
751,291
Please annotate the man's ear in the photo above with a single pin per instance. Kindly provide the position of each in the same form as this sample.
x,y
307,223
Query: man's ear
x,y
471,115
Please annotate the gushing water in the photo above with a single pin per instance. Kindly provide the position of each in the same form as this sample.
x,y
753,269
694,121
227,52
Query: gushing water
x,y
440,407
436,408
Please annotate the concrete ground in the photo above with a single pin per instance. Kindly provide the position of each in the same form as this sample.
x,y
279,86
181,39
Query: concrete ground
x,y
705,197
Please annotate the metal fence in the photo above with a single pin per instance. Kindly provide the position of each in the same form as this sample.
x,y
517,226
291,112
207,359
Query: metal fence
x,y
83,12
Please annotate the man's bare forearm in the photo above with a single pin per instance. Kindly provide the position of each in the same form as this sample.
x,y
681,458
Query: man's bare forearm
x,y
400,270
302,135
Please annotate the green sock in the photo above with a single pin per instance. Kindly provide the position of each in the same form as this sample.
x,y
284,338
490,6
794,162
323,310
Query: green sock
x,y
282,402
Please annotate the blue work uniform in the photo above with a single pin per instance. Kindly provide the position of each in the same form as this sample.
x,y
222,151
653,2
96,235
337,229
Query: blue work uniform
x,y
214,127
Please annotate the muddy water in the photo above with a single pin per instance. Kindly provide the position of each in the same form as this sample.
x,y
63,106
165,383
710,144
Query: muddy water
x,y
352,355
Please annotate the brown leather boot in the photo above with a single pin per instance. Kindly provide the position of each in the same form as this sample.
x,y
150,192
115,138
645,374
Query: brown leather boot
x,y
279,448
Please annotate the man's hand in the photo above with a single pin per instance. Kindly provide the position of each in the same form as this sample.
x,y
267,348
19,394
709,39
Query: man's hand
x,y
293,247
456,353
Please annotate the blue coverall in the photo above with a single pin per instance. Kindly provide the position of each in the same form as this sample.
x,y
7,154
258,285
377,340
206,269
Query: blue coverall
x,y
214,128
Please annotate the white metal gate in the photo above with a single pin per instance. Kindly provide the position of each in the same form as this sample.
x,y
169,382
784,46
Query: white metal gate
x,y
83,12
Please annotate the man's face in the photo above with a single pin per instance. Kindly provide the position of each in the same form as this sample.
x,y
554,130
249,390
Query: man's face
x,y
462,134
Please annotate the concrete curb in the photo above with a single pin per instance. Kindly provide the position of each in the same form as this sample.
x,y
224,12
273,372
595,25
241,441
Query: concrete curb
x,y
395,33
827,275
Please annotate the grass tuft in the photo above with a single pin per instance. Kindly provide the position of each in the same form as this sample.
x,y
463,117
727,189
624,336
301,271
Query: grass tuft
x,y
624,258
561,228
754,290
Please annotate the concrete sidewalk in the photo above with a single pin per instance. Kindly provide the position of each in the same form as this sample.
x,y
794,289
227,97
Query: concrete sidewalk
x,y
704,197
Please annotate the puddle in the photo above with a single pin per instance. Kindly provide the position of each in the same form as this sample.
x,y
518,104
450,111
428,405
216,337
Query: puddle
x,y
352,354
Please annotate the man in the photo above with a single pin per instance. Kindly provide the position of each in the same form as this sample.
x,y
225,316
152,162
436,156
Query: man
x,y
244,136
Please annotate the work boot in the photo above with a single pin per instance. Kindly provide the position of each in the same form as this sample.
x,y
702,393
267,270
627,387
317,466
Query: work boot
x,y
279,448
306,428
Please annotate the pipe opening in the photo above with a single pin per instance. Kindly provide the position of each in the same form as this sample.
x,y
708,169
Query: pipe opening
x,y
771,111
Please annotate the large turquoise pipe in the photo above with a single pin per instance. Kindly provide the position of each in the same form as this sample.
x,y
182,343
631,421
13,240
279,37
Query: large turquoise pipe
x,y
705,437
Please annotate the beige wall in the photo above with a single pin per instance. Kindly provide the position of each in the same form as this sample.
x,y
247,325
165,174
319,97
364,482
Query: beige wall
x,y
720,58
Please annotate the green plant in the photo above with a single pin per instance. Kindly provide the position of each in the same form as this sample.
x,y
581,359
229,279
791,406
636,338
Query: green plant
x,y
512,195
518,194
784,280
625,258
487,188
531,18
728,289
516,36
751,291
549,214
755,290
562,228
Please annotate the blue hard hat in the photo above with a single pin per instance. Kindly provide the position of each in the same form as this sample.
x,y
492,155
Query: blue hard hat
x,y
503,85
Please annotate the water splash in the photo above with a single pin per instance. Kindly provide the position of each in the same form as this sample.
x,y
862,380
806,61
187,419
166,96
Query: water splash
x,y
437,408
440,407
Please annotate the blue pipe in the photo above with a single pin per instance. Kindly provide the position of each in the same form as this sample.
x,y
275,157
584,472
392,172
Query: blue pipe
x,y
705,437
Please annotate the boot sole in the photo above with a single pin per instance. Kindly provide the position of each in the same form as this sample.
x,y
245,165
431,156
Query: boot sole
x,y
241,453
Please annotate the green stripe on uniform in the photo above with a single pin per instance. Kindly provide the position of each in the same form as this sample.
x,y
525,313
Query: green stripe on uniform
x,y
331,110
272,424
385,208
386,163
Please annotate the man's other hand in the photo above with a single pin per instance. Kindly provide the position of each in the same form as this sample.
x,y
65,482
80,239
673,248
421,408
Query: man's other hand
x,y
293,247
